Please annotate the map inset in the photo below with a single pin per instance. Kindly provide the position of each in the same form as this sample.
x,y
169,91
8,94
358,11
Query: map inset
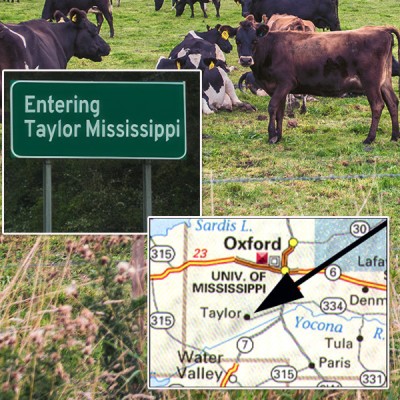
x,y
208,276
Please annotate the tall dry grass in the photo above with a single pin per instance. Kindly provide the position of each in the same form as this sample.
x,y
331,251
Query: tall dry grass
x,y
72,317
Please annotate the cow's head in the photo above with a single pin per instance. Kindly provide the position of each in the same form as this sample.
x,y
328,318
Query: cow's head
x,y
221,38
247,36
247,6
88,43
187,61
180,7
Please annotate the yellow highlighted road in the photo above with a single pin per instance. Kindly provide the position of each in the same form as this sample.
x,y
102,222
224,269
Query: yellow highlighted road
x,y
229,373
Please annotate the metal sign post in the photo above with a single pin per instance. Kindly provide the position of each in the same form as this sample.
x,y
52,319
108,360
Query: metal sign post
x,y
47,201
147,193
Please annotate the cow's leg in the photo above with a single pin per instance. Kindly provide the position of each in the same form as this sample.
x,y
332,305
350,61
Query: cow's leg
x,y
99,19
279,118
273,109
230,91
206,107
192,8
290,103
227,103
376,103
303,108
203,8
392,103
109,18
217,4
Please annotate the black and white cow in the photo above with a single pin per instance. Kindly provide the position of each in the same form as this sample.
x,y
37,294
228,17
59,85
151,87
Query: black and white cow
x,y
188,61
218,90
39,44
99,7
214,41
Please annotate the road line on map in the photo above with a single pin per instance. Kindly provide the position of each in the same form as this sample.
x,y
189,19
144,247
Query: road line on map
x,y
228,374
250,264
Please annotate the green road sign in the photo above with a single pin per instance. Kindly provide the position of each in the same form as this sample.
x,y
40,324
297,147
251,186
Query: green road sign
x,y
64,119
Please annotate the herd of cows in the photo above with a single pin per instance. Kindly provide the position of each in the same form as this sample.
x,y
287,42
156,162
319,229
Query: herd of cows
x,y
277,40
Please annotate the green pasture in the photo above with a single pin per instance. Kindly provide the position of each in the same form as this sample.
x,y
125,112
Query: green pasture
x,y
327,141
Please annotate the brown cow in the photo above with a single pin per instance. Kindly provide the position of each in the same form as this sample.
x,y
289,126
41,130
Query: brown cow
x,y
285,22
321,64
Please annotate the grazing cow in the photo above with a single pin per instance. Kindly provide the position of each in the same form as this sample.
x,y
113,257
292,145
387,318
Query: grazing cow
x,y
180,6
159,3
323,13
321,64
39,44
99,6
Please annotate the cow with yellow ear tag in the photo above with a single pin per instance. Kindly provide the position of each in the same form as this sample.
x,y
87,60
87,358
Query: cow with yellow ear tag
x,y
39,44
102,9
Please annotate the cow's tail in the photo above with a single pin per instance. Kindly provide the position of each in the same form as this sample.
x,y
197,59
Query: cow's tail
x,y
241,80
396,32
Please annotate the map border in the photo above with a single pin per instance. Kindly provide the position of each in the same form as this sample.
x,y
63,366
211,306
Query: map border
x,y
386,386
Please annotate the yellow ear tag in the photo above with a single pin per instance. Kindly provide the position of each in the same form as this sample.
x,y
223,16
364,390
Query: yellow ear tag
x,y
211,66
61,20
178,65
74,18
225,35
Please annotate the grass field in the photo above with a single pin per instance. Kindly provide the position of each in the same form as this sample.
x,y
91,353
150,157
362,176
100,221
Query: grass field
x,y
327,141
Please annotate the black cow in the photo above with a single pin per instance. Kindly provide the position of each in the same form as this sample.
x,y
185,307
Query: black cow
x,y
39,44
101,7
321,64
180,6
323,13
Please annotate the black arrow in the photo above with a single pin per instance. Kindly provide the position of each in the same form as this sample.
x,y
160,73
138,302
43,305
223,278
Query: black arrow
x,y
287,290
